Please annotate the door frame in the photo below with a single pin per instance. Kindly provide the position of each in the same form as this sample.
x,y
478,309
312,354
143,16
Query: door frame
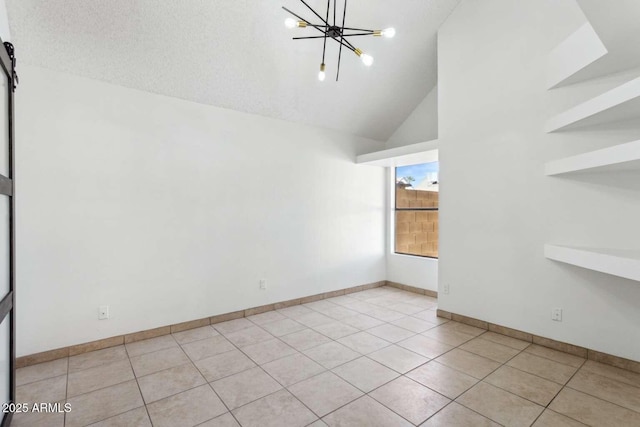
x,y
7,305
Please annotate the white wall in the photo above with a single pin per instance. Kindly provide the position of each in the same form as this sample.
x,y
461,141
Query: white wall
x,y
169,211
497,207
5,34
421,125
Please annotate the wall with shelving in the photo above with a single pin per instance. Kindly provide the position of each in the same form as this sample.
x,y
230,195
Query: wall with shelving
x,y
499,208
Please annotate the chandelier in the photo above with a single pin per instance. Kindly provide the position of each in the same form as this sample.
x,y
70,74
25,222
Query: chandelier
x,y
339,33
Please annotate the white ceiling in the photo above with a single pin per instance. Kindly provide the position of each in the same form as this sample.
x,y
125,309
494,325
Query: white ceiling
x,y
238,54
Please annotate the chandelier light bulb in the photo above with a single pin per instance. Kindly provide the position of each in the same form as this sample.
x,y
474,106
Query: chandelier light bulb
x,y
389,32
321,74
366,59
290,23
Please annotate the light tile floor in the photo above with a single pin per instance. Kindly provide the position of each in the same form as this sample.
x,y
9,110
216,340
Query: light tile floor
x,y
379,357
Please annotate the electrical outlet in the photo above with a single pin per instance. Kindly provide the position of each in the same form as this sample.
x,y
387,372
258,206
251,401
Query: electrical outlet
x,y
445,289
556,314
103,312
263,284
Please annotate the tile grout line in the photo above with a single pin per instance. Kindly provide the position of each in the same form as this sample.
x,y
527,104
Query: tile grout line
x,y
144,402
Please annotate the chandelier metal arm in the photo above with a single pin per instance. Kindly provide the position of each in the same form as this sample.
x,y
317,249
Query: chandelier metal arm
x,y
344,15
326,31
314,12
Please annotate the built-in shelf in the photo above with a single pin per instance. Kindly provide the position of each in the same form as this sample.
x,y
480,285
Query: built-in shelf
x,y
617,262
422,152
619,103
623,157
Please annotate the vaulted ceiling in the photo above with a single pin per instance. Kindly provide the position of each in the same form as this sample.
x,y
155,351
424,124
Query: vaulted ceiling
x,y
238,54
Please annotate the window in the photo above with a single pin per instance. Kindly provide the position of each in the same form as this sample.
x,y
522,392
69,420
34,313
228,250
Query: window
x,y
416,224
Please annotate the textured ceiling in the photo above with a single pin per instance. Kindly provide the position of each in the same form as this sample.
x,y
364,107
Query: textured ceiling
x,y
238,54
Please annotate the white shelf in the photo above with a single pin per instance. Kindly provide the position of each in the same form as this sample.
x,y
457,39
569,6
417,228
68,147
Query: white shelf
x,y
619,103
617,262
422,152
623,157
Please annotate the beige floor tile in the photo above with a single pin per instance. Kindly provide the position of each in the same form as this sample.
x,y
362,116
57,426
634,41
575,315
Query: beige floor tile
x,y
338,312
444,380
97,358
448,336
385,314
295,311
186,409
41,371
455,415
382,301
222,365
38,419
283,327
430,316
365,373
525,385
612,372
405,308
268,351
360,307
331,354
244,387
409,399
267,317
318,423
170,381
557,356
362,321
469,363
305,339
319,305
390,332
593,411
276,410
505,340
102,404
313,319
553,419
542,367
425,346
225,420
607,389
135,418
365,412
87,380
149,363
292,369
414,325
195,334
208,347
500,406
397,358
49,390
491,350
341,300
248,336
364,343
325,393
147,346
231,326
336,330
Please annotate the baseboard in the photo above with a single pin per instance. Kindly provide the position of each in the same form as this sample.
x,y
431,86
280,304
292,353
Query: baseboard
x,y
587,353
413,289
60,353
